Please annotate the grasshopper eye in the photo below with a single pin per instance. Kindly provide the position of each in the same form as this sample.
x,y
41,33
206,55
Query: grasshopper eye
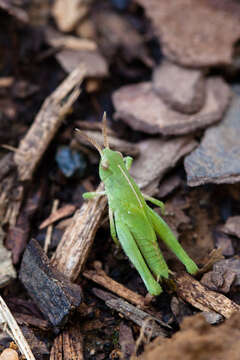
x,y
105,164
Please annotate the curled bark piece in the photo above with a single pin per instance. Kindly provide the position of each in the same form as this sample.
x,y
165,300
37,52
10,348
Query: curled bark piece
x,y
198,296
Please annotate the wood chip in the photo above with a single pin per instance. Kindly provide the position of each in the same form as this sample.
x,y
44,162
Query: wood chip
x,y
197,295
157,156
59,214
216,160
181,88
132,103
51,291
47,122
73,249
68,345
101,278
188,37
131,312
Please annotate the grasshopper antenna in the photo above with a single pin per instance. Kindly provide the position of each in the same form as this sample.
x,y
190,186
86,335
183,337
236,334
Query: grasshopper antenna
x,y
93,142
104,130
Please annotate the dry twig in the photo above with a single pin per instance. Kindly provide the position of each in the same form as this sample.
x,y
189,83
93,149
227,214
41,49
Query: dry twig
x,y
9,325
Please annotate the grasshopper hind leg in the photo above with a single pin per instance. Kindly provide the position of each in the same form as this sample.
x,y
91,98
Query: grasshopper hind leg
x,y
132,251
164,232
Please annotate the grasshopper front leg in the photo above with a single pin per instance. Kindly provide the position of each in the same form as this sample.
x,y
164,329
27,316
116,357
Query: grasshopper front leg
x,y
164,232
92,195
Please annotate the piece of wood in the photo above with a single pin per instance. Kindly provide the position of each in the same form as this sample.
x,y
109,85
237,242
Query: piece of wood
x,y
101,278
50,227
68,345
203,299
59,214
51,291
132,313
72,251
46,124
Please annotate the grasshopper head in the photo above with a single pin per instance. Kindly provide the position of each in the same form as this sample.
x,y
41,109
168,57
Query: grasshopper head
x,y
109,163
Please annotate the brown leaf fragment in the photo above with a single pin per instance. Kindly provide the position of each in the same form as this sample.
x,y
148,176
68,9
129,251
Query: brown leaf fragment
x,y
126,340
47,122
198,340
216,160
197,295
61,213
51,291
188,37
142,109
181,88
68,345
232,226
156,157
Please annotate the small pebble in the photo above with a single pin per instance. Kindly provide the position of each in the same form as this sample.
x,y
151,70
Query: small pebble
x,y
70,161
9,354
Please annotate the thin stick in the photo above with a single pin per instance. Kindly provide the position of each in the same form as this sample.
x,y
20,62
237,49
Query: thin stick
x,y
10,325
50,227
104,130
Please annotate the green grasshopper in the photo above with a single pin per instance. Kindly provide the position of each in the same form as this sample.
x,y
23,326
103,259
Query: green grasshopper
x,y
133,224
